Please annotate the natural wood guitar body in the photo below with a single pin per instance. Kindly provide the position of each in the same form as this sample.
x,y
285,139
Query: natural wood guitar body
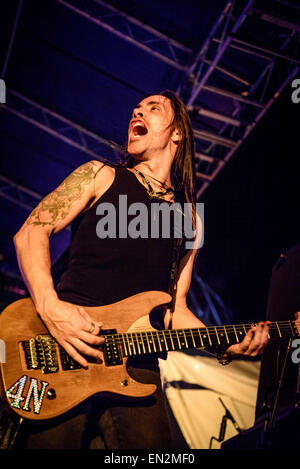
x,y
38,380
19,322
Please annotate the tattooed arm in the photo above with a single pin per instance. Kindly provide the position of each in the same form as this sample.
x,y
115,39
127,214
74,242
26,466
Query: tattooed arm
x,y
67,323
60,207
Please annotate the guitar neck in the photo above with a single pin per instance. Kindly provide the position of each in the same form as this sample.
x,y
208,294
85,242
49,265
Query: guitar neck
x,y
142,343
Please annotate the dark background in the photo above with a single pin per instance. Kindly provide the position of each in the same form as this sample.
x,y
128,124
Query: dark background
x,y
252,211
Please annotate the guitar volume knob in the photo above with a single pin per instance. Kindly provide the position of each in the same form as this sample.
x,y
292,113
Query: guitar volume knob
x,y
51,394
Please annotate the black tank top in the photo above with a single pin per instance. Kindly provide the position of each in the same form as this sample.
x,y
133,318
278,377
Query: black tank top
x,y
103,271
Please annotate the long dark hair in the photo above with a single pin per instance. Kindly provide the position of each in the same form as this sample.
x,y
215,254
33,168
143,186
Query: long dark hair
x,y
183,172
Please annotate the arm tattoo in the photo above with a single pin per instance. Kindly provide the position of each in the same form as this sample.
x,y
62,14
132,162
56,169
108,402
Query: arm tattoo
x,y
55,206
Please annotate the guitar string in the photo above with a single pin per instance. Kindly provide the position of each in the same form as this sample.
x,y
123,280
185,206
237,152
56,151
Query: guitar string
x,y
213,329
118,338
273,323
205,342
153,346
201,330
285,326
159,338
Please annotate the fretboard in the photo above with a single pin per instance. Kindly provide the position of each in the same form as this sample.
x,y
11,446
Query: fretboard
x,y
143,343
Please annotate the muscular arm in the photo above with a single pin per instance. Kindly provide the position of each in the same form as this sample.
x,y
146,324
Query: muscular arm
x,y
66,322
51,215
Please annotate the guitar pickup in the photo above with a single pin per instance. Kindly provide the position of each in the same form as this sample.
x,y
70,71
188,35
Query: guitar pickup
x,y
111,348
67,362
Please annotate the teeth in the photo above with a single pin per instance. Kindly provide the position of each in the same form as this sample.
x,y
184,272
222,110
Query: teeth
x,y
139,129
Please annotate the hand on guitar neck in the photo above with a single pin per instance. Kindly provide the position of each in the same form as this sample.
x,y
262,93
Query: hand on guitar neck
x,y
254,342
256,339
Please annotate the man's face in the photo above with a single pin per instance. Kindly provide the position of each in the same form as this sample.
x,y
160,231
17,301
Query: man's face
x,y
150,127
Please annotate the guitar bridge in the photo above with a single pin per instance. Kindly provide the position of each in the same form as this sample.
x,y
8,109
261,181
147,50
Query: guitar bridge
x,y
40,354
111,348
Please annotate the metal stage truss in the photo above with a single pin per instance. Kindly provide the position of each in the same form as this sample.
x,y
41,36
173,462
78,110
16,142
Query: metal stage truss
x,y
237,43
220,125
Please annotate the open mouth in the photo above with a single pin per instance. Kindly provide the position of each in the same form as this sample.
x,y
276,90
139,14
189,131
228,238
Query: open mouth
x,y
138,129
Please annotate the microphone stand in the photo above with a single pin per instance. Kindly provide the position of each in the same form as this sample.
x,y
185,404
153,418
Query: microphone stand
x,y
270,421
227,416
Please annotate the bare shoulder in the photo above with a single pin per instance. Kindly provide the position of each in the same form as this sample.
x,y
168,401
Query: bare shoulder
x,y
106,170
92,166
103,179
57,209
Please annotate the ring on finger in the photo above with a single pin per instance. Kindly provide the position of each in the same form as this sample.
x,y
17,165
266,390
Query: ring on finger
x,y
92,328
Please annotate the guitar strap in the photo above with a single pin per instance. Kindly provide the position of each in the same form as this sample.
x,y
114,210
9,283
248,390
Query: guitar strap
x,y
173,277
176,245
174,270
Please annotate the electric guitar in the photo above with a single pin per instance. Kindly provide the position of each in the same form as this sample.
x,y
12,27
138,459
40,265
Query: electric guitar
x,y
39,380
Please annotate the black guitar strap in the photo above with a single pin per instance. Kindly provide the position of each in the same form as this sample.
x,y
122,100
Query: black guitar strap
x,y
173,277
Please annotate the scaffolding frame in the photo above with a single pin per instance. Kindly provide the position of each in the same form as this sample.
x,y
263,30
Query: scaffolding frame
x,y
195,83
132,31
18,194
60,127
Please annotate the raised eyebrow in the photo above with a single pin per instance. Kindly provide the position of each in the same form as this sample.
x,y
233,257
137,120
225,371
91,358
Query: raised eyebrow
x,y
150,103
153,102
